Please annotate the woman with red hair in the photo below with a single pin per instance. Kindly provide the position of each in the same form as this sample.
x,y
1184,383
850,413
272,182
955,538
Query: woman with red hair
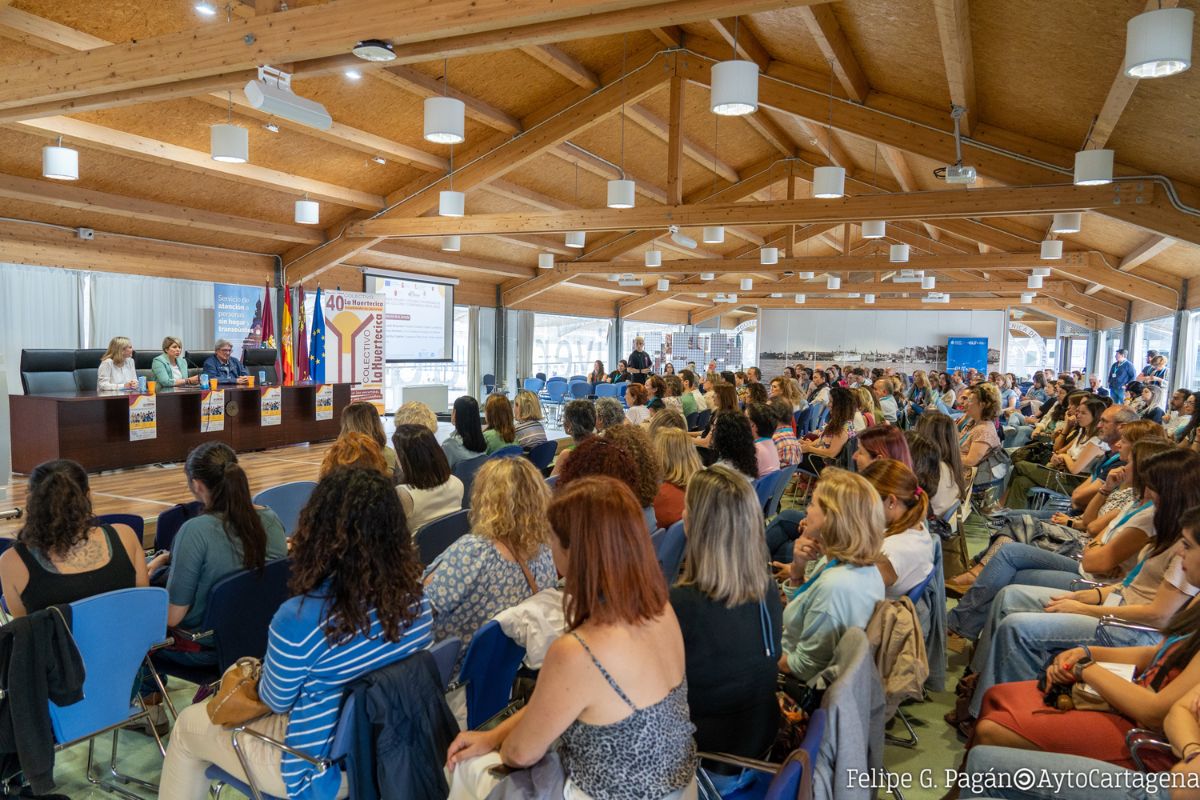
x,y
881,441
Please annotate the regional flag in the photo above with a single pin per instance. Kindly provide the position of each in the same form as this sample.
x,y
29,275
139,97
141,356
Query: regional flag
x,y
285,338
268,328
316,345
301,338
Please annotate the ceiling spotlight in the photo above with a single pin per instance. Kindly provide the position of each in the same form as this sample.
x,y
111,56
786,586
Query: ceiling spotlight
x,y
898,254
1067,222
60,163
308,212
576,239
379,160
445,120
746,284
768,255
874,229
829,182
731,298
719,297
629,280
451,204
1052,249
1027,297
374,50
272,127
229,143
1033,282
1093,167
800,299
854,295
621,195
708,276
713,234
676,237
805,276
654,258
776,295
545,260
452,244
613,277
734,88
271,93
1041,272
869,299
663,284
207,9
833,282
1158,43
353,74
936,297
928,282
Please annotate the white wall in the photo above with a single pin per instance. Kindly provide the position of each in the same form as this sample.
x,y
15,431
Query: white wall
x,y
871,338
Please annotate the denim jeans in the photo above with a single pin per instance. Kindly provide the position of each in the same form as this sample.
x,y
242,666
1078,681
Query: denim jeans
x,y
1013,564
986,760
1003,515
1023,435
783,532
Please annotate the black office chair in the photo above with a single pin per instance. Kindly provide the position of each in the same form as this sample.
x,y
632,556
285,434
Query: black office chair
x,y
197,357
144,359
262,359
47,371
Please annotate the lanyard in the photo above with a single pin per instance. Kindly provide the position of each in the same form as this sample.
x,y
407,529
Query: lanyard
x,y
804,587
1130,515
1110,460
1133,573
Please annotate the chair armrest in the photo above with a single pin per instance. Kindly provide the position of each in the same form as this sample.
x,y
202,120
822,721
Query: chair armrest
x,y
1084,583
1139,740
320,764
740,761
1115,622
193,636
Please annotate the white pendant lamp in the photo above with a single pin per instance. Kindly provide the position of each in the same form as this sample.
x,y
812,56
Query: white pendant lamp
x,y
654,258
451,203
1033,282
545,260
708,276
829,182
663,284
308,212
731,298
1027,297
1067,222
1093,167
805,276
746,284
60,163
928,282
576,239
734,88
1052,249
713,234
620,193
445,120
1041,272
800,299
768,255
613,277
452,244
776,295
833,282
898,254
230,143
1159,43
869,299
874,229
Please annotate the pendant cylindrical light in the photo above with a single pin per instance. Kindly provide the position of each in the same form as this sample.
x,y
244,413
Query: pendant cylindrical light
x,y
928,282
1027,297
613,277
1093,167
452,204
731,298
800,299
707,276
874,229
713,234
620,194
1052,249
734,88
898,253
746,284
776,295
829,182
452,244
1067,222
60,163
869,299
445,120
805,276
576,239
545,260
1041,272
229,143
833,282
654,258
663,284
1033,282
1158,43
768,255
308,212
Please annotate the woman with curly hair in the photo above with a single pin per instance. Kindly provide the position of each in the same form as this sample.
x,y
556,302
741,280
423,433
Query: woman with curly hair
x,y
61,554
733,440
647,475
357,607
502,561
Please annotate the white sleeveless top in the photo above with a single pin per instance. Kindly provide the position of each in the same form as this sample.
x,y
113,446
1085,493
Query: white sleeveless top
x,y
429,504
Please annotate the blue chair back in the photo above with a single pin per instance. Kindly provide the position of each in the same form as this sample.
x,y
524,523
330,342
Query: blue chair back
x,y
556,390
509,451
287,500
763,487
434,537
171,520
575,378
488,671
918,591
445,653
581,390
608,389
668,547
786,783
533,384
702,418
113,632
489,383
132,520
542,454
240,608
465,472
541,376
692,421
781,480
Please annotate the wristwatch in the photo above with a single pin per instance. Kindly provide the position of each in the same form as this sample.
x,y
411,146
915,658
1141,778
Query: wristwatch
x,y
1077,670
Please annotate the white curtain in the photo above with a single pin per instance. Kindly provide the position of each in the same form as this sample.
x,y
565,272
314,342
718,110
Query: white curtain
x,y
147,309
39,308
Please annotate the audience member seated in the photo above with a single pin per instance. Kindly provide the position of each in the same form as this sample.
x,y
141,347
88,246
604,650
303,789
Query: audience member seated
x,y
723,400
358,607
784,437
907,550
169,367
361,417
501,431
919,398
636,396
467,441
754,393
528,411
656,388
579,422
819,391
223,366
733,442
355,450
502,561
61,555
690,399
980,439
1085,449
678,462
838,430
117,371
833,581
600,455
786,388
428,490
598,375
864,403
608,413
612,693
881,441
667,419
647,477
1152,396
231,534
1177,418
673,399
621,373
731,617
885,401
933,475
763,424
414,412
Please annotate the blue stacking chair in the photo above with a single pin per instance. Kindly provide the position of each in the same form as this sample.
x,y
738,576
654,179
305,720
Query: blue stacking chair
x,y
287,500
171,520
608,389
668,547
488,671
542,454
113,633
465,472
774,781
489,383
534,385
702,418
434,537
781,480
541,376
580,390
509,451
132,520
575,378
692,420
553,398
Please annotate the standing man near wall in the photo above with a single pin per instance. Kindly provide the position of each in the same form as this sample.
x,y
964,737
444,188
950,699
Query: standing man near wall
x,y
639,361
1119,374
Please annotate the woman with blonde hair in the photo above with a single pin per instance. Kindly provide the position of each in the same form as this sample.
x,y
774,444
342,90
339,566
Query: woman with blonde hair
x,y
833,581
787,389
354,449
528,411
169,367
678,461
503,560
361,417
117,371
906,557
414,412
501,430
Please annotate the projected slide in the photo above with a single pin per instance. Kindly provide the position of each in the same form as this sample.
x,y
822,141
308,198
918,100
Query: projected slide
x,y
967,352
418,319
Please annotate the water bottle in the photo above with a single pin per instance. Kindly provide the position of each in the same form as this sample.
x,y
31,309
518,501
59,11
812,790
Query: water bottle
x,y
142,384
203,380
262,377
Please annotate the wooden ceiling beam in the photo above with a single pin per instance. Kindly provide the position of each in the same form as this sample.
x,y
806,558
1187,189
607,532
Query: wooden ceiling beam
x,y
650,299
601,168
566,66
423,86
898,166
879,288
831,41
675,141
1144,252
670,35
816,264
954,31
660,129
467,263
743,41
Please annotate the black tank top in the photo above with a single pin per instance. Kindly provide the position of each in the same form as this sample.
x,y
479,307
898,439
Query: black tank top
x,y
46,588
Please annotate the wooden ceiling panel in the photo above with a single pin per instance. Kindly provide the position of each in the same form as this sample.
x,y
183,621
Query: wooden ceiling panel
x,y
15,52
1179,260
554,177
605,52
1158,132
645,154
509,80
785,36
119,20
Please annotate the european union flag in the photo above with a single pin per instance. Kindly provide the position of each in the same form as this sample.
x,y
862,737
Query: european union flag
x,y
316,346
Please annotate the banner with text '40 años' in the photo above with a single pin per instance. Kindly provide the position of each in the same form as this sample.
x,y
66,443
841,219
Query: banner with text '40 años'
x,y
354,341
238,316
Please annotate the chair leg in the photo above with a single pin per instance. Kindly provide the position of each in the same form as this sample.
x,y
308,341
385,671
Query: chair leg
x,y
255,792
105,784
912,740
162,688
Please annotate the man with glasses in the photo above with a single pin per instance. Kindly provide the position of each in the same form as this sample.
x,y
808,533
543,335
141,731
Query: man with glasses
x,y
224,367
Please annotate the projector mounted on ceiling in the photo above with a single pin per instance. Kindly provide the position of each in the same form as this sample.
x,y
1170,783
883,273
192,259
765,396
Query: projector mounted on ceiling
x,y
271,93
957,172
681,239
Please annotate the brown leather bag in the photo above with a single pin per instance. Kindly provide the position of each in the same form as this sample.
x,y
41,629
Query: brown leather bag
x,y
236,701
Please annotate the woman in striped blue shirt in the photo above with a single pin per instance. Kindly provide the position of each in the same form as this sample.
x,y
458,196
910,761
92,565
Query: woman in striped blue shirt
x,y
358,607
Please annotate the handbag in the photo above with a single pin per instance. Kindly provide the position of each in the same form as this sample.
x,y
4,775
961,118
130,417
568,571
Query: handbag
x,y
236,701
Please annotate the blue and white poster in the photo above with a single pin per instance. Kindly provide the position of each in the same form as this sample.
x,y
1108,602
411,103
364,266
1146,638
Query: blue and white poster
x,y
967,352
237,316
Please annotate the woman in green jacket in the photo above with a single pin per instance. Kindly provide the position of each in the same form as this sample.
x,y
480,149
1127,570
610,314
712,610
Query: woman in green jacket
x,y
169,367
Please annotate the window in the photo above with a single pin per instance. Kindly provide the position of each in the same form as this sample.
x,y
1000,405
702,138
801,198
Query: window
x,y
1191,375
453,374
679,344
568,346
1153,334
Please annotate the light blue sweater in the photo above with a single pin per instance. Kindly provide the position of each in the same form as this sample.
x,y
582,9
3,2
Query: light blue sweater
x,y
843,596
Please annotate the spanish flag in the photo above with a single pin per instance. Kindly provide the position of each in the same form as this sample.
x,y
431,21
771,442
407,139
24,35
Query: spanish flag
x,y
285,336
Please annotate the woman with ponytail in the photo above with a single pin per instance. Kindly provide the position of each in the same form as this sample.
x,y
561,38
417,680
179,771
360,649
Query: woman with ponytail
x,y
231,535
907,551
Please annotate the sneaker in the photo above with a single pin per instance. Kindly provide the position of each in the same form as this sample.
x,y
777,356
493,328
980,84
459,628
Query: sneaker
x,y
158,719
